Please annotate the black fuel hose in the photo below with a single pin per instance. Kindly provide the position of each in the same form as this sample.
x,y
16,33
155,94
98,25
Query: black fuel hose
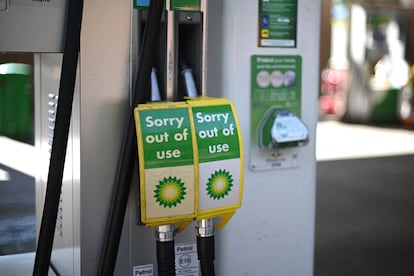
x,y
165,250
206,255
205,246
60,138
166,258
128,151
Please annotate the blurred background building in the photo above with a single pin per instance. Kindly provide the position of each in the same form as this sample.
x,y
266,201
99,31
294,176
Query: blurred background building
x,y
366,61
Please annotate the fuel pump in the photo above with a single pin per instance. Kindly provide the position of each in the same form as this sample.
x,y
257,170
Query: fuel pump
x,y
190,151
251,49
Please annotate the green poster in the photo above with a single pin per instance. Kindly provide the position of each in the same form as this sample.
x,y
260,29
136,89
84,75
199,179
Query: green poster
x,y
185,4
278,23
275,85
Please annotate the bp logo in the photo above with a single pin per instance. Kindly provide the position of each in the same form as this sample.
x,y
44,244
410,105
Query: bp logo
x,y
219,184
169,192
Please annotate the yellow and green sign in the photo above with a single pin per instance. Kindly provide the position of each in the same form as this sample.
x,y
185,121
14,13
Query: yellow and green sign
x,y
190,160
220,158
167,163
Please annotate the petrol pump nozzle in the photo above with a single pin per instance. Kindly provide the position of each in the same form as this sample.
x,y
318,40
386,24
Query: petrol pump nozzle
x,y
188,78
155,89
164,234
204,227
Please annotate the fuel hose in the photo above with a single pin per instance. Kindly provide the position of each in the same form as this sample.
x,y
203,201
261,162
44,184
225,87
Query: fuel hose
x,y
128,149
165,250
60,138
205,246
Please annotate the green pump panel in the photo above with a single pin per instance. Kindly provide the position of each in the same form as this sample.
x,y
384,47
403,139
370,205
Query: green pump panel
x,y
174,4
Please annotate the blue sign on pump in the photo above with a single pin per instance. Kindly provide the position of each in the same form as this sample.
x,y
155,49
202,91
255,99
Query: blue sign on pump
x,y
142,3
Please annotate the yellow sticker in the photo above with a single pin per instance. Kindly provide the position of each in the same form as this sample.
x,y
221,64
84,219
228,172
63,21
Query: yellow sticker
x,y
221,159
265,33
167,163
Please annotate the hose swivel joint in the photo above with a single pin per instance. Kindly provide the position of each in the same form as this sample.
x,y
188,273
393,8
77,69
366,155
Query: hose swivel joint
x,y
205,228
165,233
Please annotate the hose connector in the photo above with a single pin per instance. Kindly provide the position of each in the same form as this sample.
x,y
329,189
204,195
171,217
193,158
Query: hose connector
x,y
205,228
165,233
205,246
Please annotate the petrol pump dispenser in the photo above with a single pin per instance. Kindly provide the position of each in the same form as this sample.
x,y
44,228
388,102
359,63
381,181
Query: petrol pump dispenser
x,y
190,152
207,131
257,56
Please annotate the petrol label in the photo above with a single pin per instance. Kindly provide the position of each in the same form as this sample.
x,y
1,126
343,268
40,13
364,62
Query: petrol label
x,y
186,260
143,270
